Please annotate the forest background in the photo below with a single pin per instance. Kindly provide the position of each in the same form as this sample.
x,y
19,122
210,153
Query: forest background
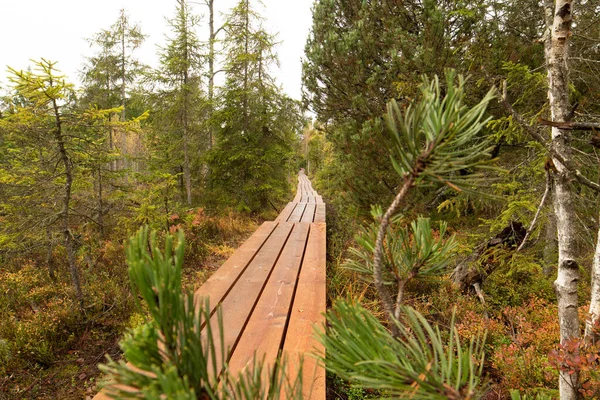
x,y
82,168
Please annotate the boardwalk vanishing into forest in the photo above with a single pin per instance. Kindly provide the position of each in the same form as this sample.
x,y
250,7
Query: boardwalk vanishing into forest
x,y
272,293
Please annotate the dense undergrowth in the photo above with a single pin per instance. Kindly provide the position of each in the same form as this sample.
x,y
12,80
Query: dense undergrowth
x,y
519,314
49,347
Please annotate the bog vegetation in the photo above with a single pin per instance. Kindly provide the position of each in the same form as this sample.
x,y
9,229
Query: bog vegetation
x,y
455,143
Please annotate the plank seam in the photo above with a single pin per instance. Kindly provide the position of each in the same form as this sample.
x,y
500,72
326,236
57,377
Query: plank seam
x,y
214,310
303,211
262,289
289,315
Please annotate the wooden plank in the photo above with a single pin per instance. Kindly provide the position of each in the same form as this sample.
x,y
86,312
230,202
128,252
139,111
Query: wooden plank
x,y
298,189
307,310
309,213
320,212
263,335
286,212
296,215
218,285
238,305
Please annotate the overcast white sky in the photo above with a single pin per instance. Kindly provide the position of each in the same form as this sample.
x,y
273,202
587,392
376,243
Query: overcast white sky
x,y
57,29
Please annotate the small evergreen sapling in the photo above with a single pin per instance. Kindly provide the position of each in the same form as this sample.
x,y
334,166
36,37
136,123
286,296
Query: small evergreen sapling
x,y
174,355
435,140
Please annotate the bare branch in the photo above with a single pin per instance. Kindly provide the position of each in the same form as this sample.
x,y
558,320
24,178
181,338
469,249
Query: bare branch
x,y
384,293
537,214
571,126
531,131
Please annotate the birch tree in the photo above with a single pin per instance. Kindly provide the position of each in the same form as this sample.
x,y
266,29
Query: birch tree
x,y
567,278
591,331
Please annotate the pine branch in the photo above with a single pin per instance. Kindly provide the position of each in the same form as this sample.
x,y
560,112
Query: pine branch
x,y
384,294
434,138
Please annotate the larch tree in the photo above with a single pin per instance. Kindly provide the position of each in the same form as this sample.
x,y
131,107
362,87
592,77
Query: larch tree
x,y
45,114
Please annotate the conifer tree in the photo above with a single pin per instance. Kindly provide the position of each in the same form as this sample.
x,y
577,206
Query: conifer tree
x,y
433,138
42,126
109,74
257,123
179,100
109,81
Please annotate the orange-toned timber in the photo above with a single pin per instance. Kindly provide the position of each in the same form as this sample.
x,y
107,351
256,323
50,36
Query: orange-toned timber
x,y
272,293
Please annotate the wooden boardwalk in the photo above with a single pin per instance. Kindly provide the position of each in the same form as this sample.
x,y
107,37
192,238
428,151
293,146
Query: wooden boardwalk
x,y
272,292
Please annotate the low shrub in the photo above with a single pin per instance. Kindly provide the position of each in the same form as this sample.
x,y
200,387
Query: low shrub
x,y
39,316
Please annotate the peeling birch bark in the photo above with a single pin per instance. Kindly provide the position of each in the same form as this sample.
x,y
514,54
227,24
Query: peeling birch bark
x,y
557,54
550,248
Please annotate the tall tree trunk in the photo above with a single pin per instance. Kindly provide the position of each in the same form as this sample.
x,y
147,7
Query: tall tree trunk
x,y
246,61
124,24
50,256
590,333
187,175
100,217
112,165
568,271
69,240
550,245
211,69
186,156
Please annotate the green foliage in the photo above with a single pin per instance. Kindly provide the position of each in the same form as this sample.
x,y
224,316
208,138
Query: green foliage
x,y
515,279
344,390
437,138
422,363
360,55
38,319
410,250
515,395
258,126
170,356
109,75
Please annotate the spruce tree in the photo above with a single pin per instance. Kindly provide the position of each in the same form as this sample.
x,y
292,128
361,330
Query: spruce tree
x,y
258,124
179,101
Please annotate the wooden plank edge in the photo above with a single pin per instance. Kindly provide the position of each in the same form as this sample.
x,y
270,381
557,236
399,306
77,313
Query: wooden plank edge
x,y
222,280
265,330
307,312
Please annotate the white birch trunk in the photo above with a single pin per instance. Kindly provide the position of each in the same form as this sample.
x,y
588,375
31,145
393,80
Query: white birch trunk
x,y
595,302
568,271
